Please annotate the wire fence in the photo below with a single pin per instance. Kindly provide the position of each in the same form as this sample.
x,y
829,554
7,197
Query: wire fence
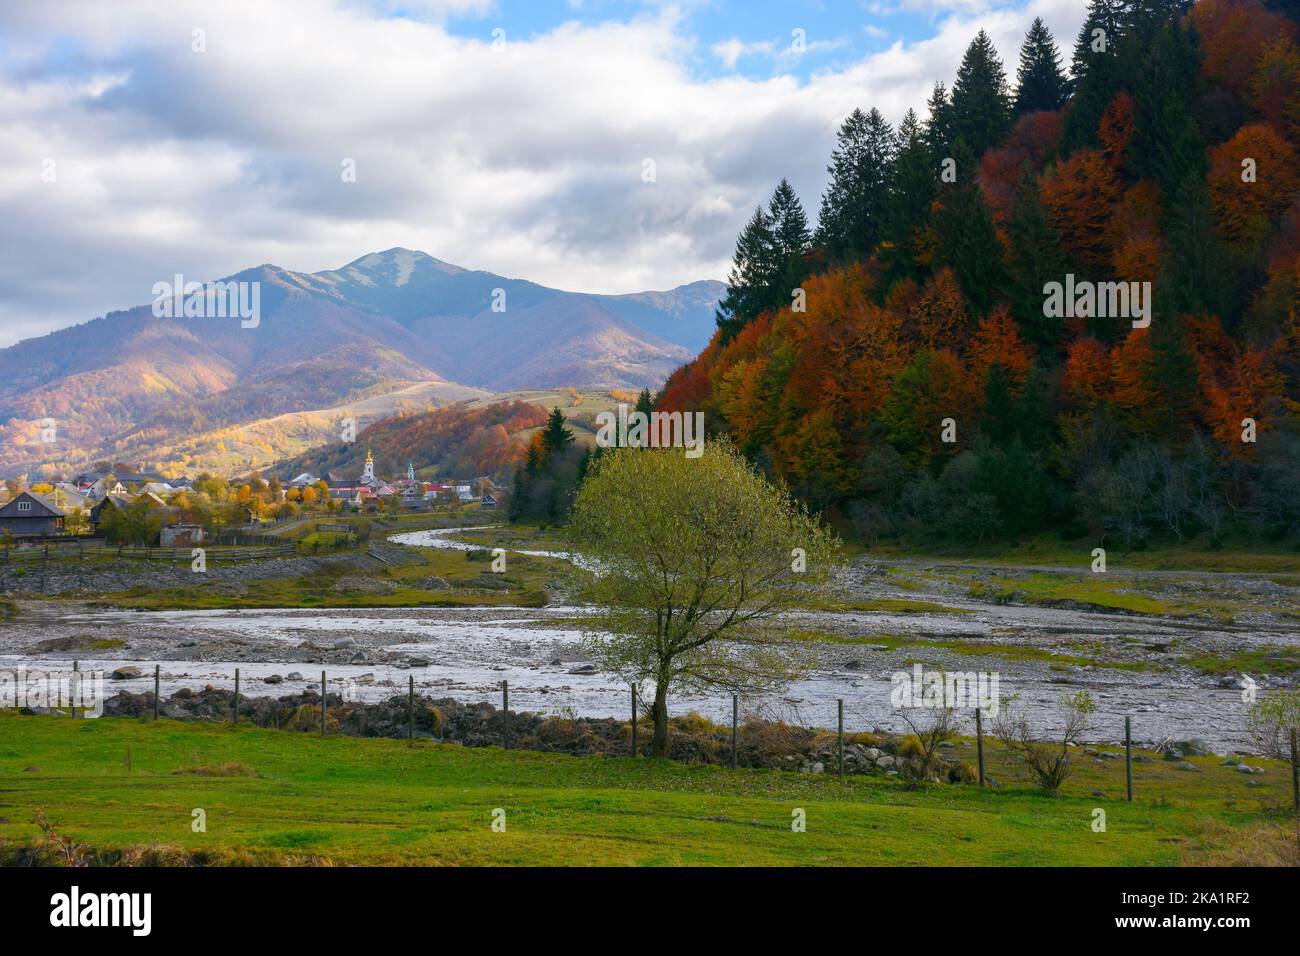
x,y
726,730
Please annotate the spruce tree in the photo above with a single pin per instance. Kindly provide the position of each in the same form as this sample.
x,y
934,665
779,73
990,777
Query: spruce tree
x,y
1167,145
645,404
908,207
1095,73
853,206
556,437
752,274
1172,377
791,240
939,124
981,104
1034,258
968,239
1040,83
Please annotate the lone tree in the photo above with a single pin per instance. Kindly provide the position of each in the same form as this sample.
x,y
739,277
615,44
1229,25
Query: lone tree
x,y
697,556
1274,726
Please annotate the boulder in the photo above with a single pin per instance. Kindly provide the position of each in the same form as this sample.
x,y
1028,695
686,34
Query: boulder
x,y
585,669
126,673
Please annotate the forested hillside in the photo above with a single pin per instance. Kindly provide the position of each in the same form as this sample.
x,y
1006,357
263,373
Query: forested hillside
x,y
452,442
905,365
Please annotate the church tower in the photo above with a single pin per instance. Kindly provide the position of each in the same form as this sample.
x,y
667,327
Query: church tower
x,y
368,472
410,471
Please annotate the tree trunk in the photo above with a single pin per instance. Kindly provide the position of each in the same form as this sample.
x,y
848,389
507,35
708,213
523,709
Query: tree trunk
x,y
659,744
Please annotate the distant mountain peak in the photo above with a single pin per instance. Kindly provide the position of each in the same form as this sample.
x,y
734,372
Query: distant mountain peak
x,y
175,390
393,267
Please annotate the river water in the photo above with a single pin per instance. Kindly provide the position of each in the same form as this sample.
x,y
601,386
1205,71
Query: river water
x,y
470,651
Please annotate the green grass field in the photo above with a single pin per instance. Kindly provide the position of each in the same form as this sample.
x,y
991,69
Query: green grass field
x,y
278,796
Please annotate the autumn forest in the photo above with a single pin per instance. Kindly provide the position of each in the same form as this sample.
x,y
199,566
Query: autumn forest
x,y
896,363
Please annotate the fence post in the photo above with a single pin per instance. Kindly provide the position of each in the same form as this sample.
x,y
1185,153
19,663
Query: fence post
x,y
76,686
157,683
322,703
840,709
735,715
979,743
235,715
1295,773
410,710
1128,756
505,715
634,747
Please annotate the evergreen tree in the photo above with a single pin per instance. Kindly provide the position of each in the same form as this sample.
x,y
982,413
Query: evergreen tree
x,y
1095,73
752,274
791,240
999,422
939,125
1172,377
981,104
907,208
644,403
1034,258
853,206
1167,146
968,239
1040,83
556,437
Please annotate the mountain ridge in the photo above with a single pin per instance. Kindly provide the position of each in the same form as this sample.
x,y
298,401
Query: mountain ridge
x,y
131,386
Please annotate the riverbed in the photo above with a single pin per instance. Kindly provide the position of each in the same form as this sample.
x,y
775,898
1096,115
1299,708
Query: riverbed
x,y
1134,665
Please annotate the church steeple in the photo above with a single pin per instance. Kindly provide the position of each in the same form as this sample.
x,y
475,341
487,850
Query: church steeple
x,y
368,472
410,471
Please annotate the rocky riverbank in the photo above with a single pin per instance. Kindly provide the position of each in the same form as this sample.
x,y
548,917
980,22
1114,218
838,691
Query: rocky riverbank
x,y
692,738
93,578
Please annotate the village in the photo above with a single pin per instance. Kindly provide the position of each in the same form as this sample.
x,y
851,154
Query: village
x,y
144,508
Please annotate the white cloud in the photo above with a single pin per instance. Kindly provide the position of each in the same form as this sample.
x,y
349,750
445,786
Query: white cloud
x,y
524,160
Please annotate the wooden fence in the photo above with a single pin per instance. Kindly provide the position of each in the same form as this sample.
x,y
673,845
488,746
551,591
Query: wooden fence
x,y
82,551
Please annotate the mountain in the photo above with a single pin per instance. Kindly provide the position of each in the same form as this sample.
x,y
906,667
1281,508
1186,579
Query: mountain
x,y
178,392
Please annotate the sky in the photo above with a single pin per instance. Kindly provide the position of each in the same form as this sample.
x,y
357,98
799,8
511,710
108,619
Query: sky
x,y
590,145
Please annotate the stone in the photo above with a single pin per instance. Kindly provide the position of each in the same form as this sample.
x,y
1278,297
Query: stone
x,y
274,679
126,673
1196,747
1186,765
294,675
418,661
585,669
344,642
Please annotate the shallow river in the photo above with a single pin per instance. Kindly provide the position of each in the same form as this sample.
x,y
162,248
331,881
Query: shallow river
x,y
470,651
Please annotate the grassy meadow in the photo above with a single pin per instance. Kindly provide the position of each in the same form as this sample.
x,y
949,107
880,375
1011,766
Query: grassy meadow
x,y
127,789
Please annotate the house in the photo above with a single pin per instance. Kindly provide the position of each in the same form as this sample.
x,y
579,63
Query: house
x,y
181,536
107,503
489,501
159,489
30,514
67,497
